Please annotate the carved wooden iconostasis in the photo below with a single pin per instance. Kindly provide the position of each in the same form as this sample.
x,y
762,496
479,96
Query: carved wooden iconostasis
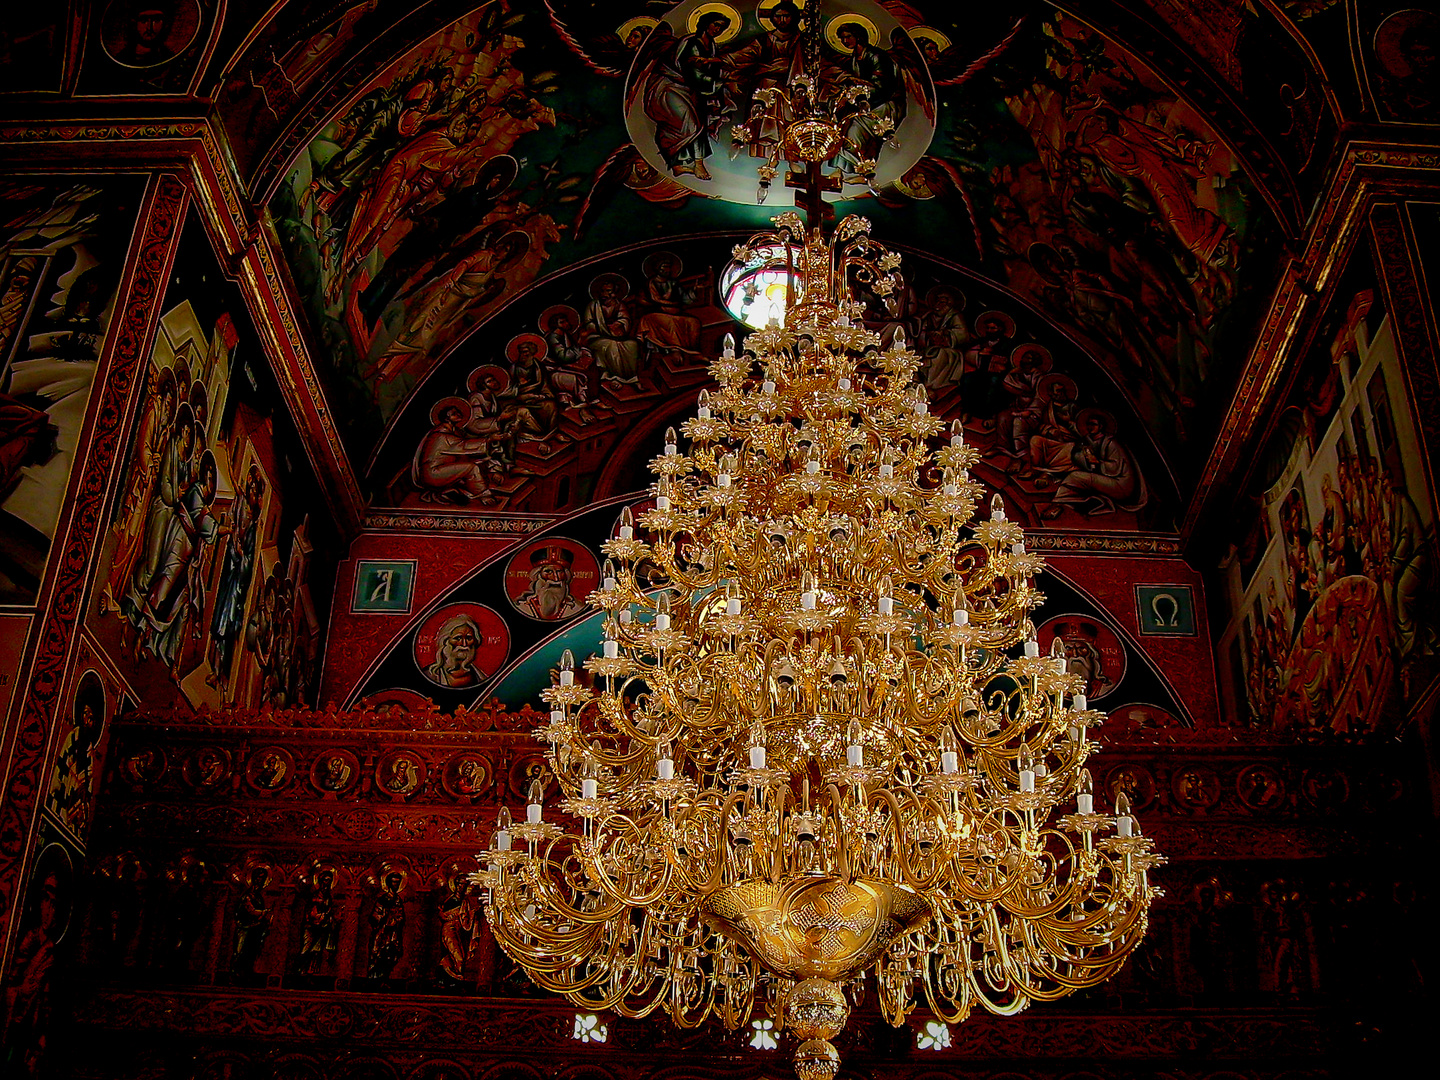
x,y
335,336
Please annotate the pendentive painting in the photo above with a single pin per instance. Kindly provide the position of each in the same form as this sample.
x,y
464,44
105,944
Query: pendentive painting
x,y
1330,582
62,250
403,219
213,586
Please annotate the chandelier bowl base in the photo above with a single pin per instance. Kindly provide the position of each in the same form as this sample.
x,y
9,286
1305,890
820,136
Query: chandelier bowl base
x,y
815,926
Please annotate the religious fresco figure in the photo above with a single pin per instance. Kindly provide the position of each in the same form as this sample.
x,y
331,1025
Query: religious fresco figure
x,y
770,59
1302,582
458,908
943,335
455,217
1103,477
160,607
72,788
457,644
666,327
1029,365
548,597
477,276
574,375
156,429
25,1002
171,483
874,68
137,32
1409,577
423,165
685,96
609,328
450,464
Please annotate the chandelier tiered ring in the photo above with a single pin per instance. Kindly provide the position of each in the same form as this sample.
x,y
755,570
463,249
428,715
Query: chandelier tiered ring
x,y
819,757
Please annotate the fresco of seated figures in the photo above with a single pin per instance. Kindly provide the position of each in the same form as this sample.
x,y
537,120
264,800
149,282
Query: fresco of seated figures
x,y
1061,166
567,401
1330,584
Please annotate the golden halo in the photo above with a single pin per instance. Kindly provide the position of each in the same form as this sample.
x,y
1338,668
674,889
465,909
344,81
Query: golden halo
x,y
832,31
642,22
765,19
724,9
929,33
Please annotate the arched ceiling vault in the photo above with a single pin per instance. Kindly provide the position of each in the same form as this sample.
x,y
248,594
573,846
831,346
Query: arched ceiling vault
x,y
1143,237
1114,184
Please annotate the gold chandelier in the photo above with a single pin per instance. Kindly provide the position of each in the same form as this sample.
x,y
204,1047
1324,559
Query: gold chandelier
x,y
819,750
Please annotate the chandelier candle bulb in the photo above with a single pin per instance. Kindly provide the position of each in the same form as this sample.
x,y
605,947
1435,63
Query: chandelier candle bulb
x,y
957,435
702,405
1085,793
757,757
567,668
671,442
611,649
728,353
501,840
627,524
1032,649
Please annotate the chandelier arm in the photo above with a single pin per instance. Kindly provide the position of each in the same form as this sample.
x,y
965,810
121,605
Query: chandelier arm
x,y
722,843
595,864
782,797
902,857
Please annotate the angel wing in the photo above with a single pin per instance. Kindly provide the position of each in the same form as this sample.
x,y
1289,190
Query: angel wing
x,y
912,68
608,178
939,179
647,58
945,72
625,167
605,56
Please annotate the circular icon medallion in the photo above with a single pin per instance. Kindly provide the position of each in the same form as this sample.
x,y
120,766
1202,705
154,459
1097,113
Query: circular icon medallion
x,y
549,579
461,645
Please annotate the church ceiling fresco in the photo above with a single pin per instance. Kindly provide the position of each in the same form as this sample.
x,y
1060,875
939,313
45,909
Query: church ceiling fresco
x,y
1063,167
569,401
